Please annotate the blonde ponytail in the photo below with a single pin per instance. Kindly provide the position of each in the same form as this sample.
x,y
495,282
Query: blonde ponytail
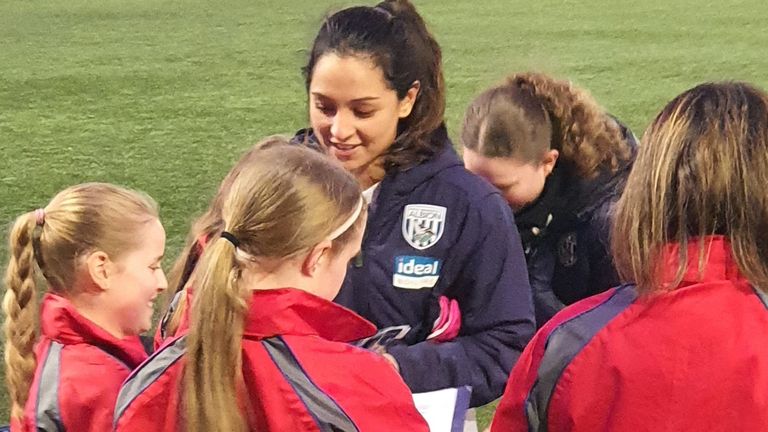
x,y
20,308
281,204
214,366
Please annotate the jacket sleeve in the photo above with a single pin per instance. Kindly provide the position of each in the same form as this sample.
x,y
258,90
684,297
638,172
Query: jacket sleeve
x,y
490,283
541,267
602,271
510,414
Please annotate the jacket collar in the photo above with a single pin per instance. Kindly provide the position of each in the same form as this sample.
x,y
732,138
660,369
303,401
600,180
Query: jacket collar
x,y
404,182
568,199
290,311
719,263
60,321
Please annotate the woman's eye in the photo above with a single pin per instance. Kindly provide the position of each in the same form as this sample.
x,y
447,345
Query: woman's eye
x,y
324,109
364,114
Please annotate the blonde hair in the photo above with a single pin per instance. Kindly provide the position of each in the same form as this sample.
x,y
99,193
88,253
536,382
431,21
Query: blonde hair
x,y
207,226
79,220
701,170
532,113
281,204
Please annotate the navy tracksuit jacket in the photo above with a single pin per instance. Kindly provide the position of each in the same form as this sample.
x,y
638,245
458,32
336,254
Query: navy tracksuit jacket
x,y
438,230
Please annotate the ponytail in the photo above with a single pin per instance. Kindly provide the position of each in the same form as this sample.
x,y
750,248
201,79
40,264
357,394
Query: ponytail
x,y
283,203
181,273
20,308
214,357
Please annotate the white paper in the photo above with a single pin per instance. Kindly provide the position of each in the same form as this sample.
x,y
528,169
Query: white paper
x,y
440,408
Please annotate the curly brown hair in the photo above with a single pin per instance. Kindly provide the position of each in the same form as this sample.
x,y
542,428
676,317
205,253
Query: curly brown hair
x,y
532,113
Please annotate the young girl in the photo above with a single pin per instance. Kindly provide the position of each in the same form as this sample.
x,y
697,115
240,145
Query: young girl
x,y
207,226
441,267
560,162
683,348
98,247
267,349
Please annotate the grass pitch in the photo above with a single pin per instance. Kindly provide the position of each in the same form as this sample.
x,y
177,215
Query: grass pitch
x,y
164,95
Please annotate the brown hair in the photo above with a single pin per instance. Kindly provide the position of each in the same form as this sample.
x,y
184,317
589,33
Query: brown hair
x,y
207,226
532,113
79,220
395,37
286,201
701,170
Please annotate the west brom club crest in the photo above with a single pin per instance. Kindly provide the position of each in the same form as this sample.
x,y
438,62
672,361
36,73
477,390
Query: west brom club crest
x,y
423,225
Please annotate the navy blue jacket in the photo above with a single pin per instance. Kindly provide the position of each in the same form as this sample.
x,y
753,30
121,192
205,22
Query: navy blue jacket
x,y
566,236
438,230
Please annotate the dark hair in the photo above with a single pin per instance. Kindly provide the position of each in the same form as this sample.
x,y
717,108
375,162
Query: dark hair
x,y
394,36
532,112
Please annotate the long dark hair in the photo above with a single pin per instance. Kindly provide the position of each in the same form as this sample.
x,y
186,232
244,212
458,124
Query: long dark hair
x,y
394,36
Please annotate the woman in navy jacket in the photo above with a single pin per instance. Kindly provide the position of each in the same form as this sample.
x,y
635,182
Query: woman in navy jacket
x,y
561,162
441,272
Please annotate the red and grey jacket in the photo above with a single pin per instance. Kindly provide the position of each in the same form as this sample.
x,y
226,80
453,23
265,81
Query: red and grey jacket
x,y
299,374
691,358
80,368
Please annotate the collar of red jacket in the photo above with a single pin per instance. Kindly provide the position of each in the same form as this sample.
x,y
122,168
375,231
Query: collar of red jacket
x,y
719,263
290,311
60,321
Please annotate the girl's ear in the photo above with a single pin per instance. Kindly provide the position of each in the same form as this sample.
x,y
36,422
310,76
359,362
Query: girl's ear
x,y
100,269
549,161
406,104
315,258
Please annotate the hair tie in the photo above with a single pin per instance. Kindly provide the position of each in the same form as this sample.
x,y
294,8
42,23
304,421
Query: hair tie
x,y
347,223
230,238
381,8
40,217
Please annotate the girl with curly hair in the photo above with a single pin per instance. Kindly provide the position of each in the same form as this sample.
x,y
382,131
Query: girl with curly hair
x,y
560,162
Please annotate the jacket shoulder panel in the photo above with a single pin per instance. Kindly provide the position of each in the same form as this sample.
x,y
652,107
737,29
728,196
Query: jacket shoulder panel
x,y
147,374
564,341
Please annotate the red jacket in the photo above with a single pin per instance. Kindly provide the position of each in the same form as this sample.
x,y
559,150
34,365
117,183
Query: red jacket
x,y
690,359
299,372
161,332
80,368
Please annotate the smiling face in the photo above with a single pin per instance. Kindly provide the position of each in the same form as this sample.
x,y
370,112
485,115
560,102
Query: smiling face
x,y
354,113
137,281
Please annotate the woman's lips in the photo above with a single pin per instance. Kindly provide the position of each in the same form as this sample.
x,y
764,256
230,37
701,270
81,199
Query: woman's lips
x,y
344,151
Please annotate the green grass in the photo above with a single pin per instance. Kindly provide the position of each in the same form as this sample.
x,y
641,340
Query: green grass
x,y
163,95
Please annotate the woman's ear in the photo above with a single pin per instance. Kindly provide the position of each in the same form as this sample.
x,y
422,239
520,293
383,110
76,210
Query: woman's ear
x,y
549,161
406,103
316,258
100,269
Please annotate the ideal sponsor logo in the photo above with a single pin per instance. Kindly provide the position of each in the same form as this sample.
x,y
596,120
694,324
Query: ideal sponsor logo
x,y
415,272
423,224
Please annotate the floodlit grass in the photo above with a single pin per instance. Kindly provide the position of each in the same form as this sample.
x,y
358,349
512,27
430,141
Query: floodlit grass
x,y
163,95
